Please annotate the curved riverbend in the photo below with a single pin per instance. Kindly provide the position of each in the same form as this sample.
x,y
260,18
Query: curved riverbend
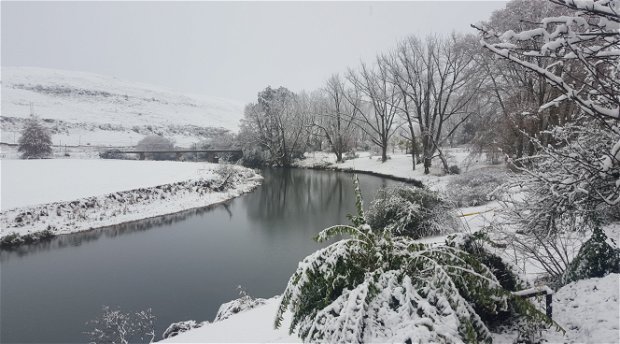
x,y
183,266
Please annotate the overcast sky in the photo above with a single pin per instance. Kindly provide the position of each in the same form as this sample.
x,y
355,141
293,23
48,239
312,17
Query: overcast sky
x,y
229,50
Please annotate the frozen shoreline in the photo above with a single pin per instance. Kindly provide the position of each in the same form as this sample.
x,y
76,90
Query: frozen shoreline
x,y
140,202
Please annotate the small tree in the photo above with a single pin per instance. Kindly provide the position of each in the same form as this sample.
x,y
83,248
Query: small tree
x,y
36,141
156,143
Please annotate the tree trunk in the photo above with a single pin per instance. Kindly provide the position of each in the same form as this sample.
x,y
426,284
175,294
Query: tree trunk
x,y
338,156
427,165
383,154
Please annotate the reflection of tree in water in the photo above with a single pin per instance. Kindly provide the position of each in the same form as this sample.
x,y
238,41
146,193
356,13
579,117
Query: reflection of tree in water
x,y
305,195
76,239
289,196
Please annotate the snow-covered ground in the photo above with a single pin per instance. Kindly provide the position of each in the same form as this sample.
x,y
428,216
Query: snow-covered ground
x,y
592,317
72,195
588,310
103,110
399,165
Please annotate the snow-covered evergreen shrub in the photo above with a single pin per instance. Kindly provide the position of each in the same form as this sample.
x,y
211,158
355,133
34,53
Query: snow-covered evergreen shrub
x,y
454,169
596,258
479,245
179,327
412,211
375,287
243,303
36,141
474,188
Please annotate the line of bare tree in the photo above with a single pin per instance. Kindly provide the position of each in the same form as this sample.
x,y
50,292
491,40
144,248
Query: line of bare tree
x,y
427,93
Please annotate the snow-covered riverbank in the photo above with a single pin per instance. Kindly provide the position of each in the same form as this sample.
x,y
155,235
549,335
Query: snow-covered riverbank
x,y
66,196
398,166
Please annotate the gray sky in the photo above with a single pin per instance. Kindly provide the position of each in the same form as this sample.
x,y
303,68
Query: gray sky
x,y
229,50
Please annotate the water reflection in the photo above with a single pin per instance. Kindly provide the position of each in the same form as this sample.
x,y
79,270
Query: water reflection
x,y
80,238
183,265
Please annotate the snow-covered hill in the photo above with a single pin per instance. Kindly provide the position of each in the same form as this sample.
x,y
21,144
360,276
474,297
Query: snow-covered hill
x,y
85,108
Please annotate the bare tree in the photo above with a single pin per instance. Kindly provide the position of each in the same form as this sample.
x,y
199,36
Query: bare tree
x,y
115,326
335,116
376,101
438,82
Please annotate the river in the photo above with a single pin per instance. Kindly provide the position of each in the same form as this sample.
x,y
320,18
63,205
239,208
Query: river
x,y
182,266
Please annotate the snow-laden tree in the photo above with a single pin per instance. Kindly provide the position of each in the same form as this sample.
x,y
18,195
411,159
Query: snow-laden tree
x,y
275,127
377,287
512,93
575,176
35,141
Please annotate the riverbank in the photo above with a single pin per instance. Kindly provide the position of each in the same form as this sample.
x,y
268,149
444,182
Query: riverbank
x,y
43,198
397,167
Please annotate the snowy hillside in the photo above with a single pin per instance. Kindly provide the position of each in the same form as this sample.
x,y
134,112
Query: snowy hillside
x,y
85,108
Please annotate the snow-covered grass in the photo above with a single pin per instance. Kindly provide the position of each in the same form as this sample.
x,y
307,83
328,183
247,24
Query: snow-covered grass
x,y
72,195
398,165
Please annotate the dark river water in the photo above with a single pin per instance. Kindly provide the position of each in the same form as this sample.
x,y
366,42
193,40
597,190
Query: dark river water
x,y
182,266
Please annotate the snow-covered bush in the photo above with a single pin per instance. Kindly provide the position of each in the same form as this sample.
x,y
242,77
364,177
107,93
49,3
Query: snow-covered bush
x,y
243,303
115,326
474,188
14,239
480,246
454,169
35,141
179,327
156,144
596,258
376,287
412,211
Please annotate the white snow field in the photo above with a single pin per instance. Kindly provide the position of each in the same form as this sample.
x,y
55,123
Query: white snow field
x,y
95,109
71,195
33,182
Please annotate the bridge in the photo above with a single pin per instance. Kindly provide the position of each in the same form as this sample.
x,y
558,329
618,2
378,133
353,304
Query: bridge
x,y
210,155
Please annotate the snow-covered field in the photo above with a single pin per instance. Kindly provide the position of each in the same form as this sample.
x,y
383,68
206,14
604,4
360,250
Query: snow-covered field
x,y
33,182
73,195
104,110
